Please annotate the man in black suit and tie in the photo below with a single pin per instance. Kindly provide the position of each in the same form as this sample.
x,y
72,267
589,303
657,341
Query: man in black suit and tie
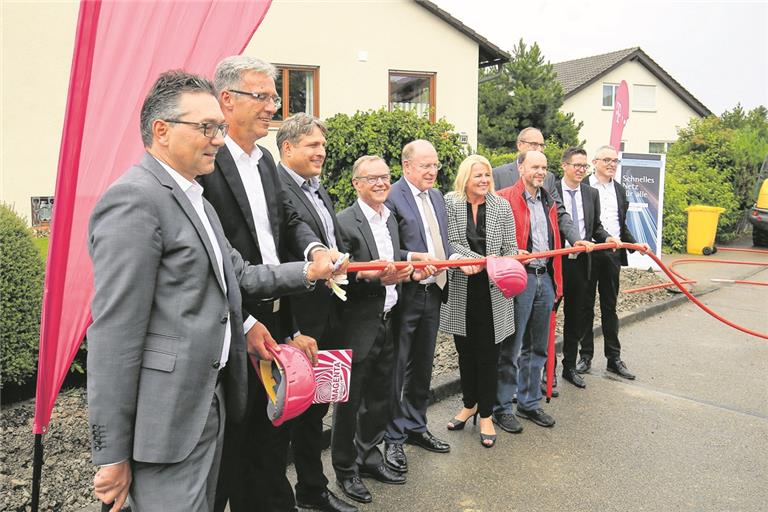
x,y
301,142
263,225
606,265
370,232
583,203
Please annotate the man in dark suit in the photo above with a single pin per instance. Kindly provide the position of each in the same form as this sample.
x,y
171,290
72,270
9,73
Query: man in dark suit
x,y
530,139
370,232
606,265
263,225
301,142
167,351
423,228
583,203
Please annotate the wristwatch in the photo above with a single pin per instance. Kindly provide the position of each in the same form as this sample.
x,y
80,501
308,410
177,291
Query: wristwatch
x,y
305,275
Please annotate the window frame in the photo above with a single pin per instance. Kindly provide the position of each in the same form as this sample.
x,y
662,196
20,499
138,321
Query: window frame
x,y
615,87
633,103
284,70
667,144
432,75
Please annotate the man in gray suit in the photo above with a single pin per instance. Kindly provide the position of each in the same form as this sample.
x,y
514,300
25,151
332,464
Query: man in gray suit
x,y
167,353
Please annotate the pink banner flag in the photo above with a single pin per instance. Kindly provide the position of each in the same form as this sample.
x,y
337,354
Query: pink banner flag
x,y
620,114
120,49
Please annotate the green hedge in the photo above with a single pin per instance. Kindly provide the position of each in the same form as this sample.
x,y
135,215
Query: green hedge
x,y
21,290
384,133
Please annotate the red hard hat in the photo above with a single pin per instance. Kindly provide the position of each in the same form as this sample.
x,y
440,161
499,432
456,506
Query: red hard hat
x,y
508,274
290,383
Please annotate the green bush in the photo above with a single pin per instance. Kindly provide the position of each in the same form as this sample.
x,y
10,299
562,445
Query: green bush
x,y
21,289
553,151
383,133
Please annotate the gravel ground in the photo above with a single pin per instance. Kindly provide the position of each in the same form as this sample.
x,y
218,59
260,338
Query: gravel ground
x,y
67,472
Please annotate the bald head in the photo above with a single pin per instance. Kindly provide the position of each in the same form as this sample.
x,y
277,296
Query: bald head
x,y
420,164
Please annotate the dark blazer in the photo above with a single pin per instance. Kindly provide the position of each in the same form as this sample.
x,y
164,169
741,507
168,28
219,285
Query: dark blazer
x,y
413,237
225,191
159,318
590,199
508,174
311,311
365,301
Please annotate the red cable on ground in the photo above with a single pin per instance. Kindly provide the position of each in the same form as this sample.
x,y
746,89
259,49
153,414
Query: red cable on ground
x,y
674,277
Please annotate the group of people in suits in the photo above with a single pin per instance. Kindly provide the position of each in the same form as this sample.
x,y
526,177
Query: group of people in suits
x,y
208,251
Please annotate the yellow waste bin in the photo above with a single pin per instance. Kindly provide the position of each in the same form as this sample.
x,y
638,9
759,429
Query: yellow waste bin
x,y
702,228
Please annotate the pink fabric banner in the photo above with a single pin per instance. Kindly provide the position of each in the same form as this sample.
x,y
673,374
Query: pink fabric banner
x,y
620,114
120,48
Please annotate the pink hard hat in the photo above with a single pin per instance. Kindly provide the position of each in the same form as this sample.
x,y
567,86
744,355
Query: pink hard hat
x,y
290,383
508,274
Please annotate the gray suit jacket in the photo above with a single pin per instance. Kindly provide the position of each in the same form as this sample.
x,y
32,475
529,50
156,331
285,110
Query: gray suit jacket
x,y
507,175
159,316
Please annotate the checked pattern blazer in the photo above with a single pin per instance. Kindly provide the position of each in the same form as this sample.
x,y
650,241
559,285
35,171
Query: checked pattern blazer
x,y
500,240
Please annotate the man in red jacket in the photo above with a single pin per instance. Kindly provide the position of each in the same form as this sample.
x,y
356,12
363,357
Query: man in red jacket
x,y
535,214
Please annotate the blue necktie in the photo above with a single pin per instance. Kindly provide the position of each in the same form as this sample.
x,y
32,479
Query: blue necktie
x,y
574,210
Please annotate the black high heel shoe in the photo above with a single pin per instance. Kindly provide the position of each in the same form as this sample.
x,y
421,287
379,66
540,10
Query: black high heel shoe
x,y
457,424
484,438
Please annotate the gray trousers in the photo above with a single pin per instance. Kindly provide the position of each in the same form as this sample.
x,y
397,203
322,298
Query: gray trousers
x,y
187,485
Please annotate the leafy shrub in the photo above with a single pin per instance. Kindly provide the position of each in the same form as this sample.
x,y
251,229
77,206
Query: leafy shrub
x,y
553,151
21,288
384,133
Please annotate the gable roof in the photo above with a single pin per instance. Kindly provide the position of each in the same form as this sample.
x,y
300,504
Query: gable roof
x,y
575,75
490,54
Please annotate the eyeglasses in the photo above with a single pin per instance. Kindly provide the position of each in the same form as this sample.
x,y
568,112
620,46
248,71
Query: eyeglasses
x,y
583,167
210,130
372,180
261,97
540,145
609,161
426,167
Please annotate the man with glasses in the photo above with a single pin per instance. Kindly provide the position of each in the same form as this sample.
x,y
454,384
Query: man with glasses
x,y
166,349
606,265
583,203
370,232
419,209
301,142
264,226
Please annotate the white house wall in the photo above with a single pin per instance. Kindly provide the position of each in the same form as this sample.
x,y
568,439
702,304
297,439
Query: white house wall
x,y
642,127
395,34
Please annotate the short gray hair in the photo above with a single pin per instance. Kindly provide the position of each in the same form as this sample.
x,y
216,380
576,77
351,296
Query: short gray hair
x,y
296,127
602,148
229,72
162,100
410,148
364,160
526,131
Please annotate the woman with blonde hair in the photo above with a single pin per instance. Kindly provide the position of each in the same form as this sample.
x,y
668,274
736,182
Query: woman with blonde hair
x,y
477,314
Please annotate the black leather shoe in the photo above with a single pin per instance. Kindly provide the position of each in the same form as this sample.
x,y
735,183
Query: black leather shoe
x,y
584,365
429,442
618,367
329,502
508,422
574,378
354,488
383,474
394,457
555,392
537,416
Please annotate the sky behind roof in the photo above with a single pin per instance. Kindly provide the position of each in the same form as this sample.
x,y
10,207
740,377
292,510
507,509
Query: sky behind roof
x,y
717,50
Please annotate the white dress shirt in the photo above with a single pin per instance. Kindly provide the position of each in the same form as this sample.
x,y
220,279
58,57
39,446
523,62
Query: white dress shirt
x,y
194,192
378,223
609,206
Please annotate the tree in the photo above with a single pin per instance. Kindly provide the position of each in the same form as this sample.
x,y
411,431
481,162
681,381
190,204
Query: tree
x,y
383,133
525,93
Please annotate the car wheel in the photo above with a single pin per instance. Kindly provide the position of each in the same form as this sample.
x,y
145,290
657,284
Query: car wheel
x,y
759,237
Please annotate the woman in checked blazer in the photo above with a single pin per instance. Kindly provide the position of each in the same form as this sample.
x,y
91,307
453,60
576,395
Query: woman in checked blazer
x,y
477,314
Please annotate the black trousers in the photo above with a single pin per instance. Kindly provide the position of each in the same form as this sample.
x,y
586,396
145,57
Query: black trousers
x,y
577,306
606,266
255,456
359,423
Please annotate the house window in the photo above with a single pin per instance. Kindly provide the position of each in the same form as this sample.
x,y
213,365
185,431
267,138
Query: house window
x,y
298,87
644,97
42,210
621,147
413,91
609,94
659,147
